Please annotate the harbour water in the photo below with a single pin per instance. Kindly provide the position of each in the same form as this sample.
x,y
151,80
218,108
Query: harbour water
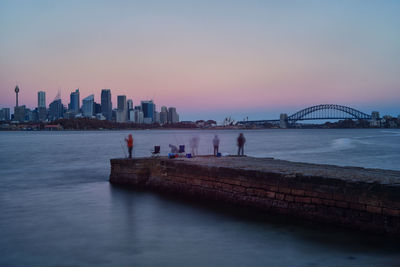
x,y
58,208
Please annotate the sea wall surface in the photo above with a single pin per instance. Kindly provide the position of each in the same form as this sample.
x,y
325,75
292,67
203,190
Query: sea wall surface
x,y
364,199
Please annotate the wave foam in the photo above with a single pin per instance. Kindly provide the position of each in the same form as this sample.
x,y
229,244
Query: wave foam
x,y
342,144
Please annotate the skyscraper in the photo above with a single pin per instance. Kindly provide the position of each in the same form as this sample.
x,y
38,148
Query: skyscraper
x,y
56,110
129,104
41,99
88,106
97,108
106,105
74,101
130,111
156,117
122,112
164,115
173,117
4,114
148,108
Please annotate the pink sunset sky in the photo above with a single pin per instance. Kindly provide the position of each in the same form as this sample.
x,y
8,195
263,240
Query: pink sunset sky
x,y
208,59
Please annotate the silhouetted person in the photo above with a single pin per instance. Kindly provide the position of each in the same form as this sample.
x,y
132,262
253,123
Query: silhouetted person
x,y
129,144
174,149
240,142
216,144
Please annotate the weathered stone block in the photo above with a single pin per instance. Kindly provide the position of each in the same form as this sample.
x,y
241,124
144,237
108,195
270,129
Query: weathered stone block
x,y
284,190
374,209
303,199
297,192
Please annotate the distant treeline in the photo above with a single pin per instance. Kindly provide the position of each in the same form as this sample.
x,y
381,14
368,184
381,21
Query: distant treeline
x,y
94,124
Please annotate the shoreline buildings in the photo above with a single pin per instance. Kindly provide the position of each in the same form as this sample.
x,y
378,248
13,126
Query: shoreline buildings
x,y
126,111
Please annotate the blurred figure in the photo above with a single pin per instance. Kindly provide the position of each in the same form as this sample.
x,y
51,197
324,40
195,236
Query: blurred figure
x,y
194,144
240,143
216,144
129,144
174,149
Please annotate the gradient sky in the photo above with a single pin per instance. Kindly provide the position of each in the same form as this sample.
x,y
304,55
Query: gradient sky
x,y
210,59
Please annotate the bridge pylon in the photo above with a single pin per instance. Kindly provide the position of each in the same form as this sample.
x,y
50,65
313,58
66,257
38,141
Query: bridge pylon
x,y
283,123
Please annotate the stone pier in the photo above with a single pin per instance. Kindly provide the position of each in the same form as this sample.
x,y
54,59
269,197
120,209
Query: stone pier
x,y
363,199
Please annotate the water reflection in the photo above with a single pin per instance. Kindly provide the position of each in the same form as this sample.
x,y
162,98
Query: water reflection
x,y
57,206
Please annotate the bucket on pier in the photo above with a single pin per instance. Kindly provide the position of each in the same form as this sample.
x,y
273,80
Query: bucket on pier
x,y
172,155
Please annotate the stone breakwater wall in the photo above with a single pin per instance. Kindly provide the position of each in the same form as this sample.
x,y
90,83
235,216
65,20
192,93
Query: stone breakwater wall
x,y
365,199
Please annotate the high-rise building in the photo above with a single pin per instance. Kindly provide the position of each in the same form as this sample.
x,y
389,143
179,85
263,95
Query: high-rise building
x,y
164,115
122,104
129,104
148,108
130,110
74,103
29,115
173,117
131,115
5,114
137,116
156,117
106,104
41,99
122,113
88,106
97,108
56,110
41,111
19,113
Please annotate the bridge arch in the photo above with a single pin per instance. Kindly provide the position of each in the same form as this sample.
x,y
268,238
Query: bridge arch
x,y
319,112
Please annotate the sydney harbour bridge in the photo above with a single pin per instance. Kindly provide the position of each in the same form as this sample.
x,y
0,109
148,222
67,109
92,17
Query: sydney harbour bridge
x,y
319,112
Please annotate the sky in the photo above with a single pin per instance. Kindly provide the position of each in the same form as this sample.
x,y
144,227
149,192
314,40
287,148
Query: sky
x,y
209,59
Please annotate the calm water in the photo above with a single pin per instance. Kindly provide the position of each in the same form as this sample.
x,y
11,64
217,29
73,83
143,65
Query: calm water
x,y
57,207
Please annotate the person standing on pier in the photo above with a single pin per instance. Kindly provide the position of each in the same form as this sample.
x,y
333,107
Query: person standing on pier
x,y
216,144
129,144
194,145
240,142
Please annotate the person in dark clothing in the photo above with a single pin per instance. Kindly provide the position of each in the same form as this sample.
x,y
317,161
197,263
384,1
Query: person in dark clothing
x,y
216,144
240,143
129,144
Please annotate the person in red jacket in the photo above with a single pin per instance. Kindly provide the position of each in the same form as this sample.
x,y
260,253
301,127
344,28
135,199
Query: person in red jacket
x,y
129,143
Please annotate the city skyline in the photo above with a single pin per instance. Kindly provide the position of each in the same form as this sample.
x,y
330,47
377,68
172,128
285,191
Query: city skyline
x,y
210,60
124,112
